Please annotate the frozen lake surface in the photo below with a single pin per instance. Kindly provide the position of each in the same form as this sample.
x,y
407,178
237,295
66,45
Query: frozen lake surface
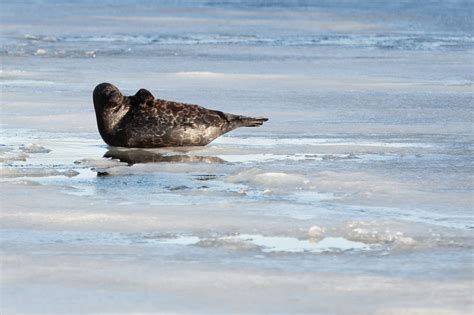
x,y
356,197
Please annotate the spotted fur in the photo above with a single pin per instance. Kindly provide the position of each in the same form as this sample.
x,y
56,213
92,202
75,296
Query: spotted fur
x,y
145,122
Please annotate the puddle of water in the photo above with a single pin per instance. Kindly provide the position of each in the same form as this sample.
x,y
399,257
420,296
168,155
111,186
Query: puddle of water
x,y
270,244
180,240
294,245
267,244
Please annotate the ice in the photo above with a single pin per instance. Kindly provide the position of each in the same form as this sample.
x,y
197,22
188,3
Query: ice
x,y
401,42
40,52
26,82
230,76
26,182
14,73
246,158
100,163
34,148
374,236
34,172
316,232
7,157
260,141
181,240
269,179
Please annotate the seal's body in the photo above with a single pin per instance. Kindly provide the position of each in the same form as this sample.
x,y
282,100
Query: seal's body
x,y
145,122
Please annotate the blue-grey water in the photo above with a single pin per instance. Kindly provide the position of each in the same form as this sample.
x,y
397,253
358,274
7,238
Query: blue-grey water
x,y
356,197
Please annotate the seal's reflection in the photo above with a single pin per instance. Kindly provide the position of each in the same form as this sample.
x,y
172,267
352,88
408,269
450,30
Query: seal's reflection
x,y
145,156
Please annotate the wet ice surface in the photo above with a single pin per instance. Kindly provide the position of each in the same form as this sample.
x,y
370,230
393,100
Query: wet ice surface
x,y
319,206
304,188
354,198
337,176
266,244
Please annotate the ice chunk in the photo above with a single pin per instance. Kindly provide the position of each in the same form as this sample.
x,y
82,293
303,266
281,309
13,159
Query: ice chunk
x,y
269,179
12,156
316,232
179,240
36,172
100,163
40,52
34,148
378,234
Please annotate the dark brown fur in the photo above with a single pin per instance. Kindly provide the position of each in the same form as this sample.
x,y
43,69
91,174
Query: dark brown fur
x,y
143,121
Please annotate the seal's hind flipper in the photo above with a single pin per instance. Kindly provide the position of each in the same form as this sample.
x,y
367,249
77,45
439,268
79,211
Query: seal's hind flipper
x,y
237,121
251,121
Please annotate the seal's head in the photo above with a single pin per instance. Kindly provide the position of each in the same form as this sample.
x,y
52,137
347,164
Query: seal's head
x,y
144,96
106,95
110,107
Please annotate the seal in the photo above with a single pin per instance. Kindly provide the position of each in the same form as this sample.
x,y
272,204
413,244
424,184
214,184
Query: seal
x,y
141,121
